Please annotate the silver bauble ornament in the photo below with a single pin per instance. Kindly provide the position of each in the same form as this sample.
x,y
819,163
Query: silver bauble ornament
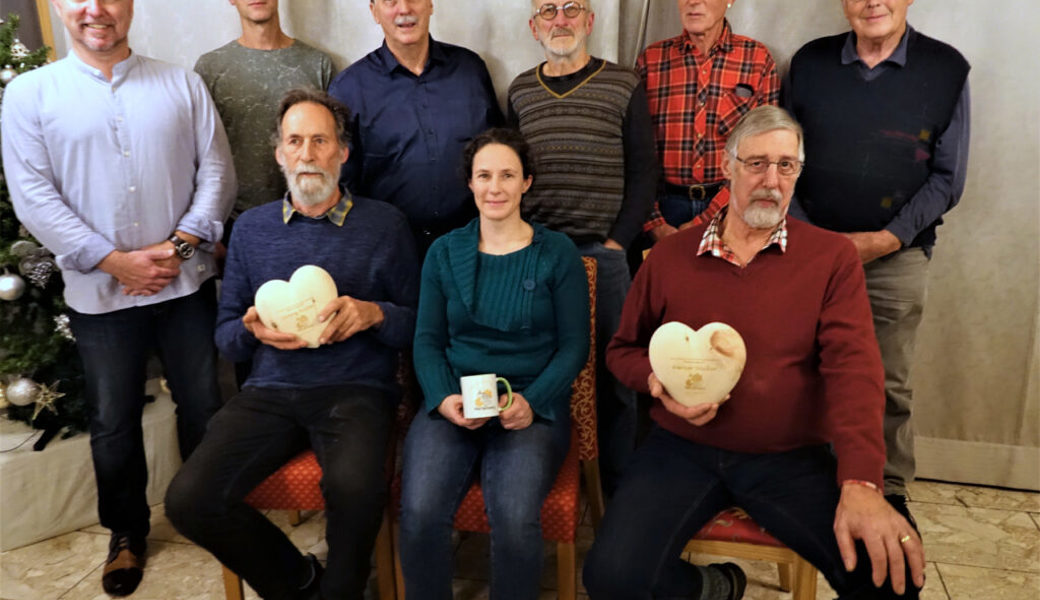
x,y
7,74
11,287
22,391
19,50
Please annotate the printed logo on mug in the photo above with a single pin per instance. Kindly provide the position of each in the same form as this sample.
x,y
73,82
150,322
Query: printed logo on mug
x,y
480,395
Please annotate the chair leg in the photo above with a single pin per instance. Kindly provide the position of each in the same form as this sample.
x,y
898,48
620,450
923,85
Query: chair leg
x,y
232,585
594,490
294,518
566,571
804,587
395,543
385,562
786,576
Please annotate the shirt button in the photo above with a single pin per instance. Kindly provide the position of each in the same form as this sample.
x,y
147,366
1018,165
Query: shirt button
x,y
119,119
529,284
136,224
126,153
429,131
133,188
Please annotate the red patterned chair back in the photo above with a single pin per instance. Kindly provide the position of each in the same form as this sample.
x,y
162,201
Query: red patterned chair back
x,y
295,486
583,392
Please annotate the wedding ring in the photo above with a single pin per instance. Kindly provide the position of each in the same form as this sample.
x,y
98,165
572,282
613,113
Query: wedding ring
x,y
904,539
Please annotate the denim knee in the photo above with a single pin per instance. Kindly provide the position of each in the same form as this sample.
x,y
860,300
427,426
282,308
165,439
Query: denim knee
x,y
514,519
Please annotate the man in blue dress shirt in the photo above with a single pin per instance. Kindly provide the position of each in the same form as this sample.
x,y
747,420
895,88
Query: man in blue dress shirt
x,y
416,102
120,166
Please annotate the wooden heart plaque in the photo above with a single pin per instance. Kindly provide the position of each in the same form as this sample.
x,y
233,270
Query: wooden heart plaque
x,y
293,305
697,366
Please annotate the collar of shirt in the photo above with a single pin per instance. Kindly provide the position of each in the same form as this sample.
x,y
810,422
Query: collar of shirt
x,y
898,57
712,242
337,214
390,62
119,70
723,44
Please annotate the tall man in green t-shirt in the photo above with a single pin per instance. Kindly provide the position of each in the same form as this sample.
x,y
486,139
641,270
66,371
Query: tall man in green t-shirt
x,y
247,78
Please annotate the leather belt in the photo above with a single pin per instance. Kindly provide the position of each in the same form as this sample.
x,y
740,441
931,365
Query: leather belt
x,y
696,192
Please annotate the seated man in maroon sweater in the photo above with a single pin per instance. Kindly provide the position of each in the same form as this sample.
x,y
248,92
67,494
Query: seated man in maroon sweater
x,y
798,444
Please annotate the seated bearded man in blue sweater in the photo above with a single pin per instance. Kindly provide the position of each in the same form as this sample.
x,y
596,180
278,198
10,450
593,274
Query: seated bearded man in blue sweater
x,y
338,398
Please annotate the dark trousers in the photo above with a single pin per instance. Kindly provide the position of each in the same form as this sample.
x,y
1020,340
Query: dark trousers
x,y
253,436
673,487
115,348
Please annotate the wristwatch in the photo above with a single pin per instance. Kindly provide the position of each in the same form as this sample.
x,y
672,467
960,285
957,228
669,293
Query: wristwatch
x,y
183,248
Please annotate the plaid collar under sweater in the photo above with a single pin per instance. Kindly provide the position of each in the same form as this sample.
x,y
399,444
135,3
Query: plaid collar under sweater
x,y
712,240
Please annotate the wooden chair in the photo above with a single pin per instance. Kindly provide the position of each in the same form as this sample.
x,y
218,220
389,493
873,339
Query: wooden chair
x,y
560,511
295,487
733,533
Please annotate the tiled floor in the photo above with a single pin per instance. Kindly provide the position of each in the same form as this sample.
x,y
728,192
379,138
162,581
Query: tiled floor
x,y
982,543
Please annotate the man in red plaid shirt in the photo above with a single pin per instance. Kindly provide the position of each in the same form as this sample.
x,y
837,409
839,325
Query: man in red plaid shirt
x,y
699,84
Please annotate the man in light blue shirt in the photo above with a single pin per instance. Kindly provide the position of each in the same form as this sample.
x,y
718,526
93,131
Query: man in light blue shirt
x,y
119,164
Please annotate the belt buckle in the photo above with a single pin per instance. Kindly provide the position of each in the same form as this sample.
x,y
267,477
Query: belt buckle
x,y
697,192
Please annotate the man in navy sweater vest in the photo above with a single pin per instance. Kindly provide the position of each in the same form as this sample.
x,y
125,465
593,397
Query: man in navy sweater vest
x,y
886,117
337,399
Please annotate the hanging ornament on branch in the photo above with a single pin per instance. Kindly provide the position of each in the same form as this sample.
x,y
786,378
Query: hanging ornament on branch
x,y
19,51
45,398
7,74
22,391
37,262
11,286
61,325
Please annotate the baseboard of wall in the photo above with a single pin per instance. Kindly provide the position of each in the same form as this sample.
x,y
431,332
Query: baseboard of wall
x,y
978,463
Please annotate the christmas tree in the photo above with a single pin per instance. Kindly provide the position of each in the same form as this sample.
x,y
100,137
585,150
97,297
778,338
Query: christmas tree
x,y
41,378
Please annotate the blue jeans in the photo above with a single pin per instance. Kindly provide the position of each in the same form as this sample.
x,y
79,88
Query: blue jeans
x,y
615,404
673,487
115,348
253,436
516,469
679,208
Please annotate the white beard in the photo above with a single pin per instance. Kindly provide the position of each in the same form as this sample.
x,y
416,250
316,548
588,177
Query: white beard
x,y
763,216
310,191
557,49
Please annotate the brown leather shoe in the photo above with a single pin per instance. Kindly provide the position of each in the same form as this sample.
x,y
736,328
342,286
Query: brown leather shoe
x,y
124,566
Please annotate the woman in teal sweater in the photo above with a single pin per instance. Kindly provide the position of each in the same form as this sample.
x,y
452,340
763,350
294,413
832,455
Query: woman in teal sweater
x,y
501,296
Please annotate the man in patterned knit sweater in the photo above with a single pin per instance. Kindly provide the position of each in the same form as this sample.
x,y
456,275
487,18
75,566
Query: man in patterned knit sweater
x,y
337,399
588,124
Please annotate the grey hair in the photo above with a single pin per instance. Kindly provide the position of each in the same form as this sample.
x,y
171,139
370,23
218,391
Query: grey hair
x,y
764,119
340,113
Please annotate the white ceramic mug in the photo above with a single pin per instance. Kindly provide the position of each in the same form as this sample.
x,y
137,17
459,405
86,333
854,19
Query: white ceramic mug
x,y
480,395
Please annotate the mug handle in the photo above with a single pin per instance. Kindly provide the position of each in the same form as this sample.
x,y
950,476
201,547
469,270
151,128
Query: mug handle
x,y
509,393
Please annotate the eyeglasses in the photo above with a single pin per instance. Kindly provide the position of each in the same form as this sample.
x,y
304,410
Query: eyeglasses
x,y
570,10
784,166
